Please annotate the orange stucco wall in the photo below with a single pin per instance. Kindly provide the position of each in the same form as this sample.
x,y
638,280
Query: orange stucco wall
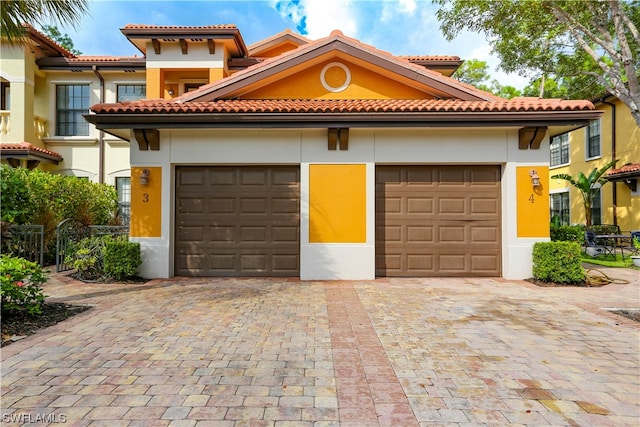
x,y
532,202
146,203
337,203
365,84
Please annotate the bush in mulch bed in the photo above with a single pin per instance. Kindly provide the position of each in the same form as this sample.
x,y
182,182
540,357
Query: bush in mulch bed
x,y
19,324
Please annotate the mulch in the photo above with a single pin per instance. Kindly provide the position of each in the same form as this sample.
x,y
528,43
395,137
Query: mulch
x,y
18,325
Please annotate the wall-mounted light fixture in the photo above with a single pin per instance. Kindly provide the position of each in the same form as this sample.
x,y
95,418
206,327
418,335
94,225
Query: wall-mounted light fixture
x,y
144,176
170,91
535,178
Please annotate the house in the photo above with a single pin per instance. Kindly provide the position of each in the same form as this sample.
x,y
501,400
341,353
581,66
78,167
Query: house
x,y
319,159
45,91
615,135
328,159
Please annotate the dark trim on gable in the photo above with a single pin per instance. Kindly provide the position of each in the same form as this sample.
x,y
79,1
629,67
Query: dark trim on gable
x,y
313,54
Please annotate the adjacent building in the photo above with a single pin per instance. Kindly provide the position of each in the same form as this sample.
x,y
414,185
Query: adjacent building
x,y
615,135
319,159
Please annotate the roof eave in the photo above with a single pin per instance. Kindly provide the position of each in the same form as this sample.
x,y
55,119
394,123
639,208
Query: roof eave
x,y
134,34
64,64
30,155
361,119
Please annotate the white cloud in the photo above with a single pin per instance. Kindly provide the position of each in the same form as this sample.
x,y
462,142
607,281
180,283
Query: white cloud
x,y
328,15
316,19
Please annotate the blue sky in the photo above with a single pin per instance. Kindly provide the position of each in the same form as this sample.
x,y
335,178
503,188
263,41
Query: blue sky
x,y
401,27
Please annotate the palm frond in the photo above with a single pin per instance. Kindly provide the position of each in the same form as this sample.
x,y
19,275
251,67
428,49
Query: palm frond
x,y
15,13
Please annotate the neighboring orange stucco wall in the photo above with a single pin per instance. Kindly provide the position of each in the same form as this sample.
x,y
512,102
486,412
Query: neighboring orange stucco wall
x,y
146,203
365,84
154,83
337,203
532,202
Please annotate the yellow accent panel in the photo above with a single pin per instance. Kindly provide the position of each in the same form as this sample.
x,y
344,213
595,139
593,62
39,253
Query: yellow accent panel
x,y
365,84
146,203
216,74
337,203
533,203
154,83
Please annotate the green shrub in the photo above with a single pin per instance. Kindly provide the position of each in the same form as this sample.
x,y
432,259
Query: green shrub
x,y
121,258
558,262
568,233
86,257
21,280
104,257
39,197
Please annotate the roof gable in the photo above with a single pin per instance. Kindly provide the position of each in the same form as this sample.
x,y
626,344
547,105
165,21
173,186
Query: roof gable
x,y
277,44
336,48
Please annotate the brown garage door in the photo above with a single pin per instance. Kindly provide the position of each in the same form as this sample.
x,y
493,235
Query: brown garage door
x,y
237,221
438,221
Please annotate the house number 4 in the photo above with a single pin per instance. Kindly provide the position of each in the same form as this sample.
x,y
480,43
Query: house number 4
x,y
531,199
145,198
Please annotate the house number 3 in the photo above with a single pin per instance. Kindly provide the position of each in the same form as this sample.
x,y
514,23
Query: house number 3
x,y
145,198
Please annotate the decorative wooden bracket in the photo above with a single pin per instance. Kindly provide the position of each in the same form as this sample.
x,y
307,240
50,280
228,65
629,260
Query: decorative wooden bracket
x,y
147,139
212,46
632,183
338,137
156,46
183,46
531,137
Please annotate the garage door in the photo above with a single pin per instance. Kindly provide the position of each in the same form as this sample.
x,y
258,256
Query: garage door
x,y
237,221
438,221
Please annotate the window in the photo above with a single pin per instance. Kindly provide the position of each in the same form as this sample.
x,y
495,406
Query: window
x,y
123,187
5,96
72,101
131,92
560,207
560,150
190,87
593,139
596,207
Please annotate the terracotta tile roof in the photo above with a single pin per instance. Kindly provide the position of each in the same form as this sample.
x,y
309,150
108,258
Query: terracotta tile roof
x,y
430,57
342,106
281,36
22,146
179,27
91,58
38,36
628,169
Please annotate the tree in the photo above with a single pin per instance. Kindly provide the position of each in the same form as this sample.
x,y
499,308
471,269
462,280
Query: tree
x,y
475,73
591,46
15,13
62,39
587,185
551,89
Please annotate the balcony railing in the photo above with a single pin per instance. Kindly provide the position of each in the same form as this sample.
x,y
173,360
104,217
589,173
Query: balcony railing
x,y
40,129
5,124
40,125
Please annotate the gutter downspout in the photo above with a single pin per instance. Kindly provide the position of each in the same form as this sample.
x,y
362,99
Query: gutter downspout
x,y
101,133
613,157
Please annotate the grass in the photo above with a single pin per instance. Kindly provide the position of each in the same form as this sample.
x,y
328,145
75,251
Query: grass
x,y
608,261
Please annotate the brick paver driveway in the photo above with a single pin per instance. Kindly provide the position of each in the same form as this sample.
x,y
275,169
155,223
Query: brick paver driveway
x,y
218,352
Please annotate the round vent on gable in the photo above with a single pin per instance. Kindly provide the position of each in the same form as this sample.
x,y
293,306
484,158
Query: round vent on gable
x,y
335,77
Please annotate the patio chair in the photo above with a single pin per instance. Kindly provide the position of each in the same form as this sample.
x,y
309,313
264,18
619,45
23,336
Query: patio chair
x,y
595,246
630,248
591,247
